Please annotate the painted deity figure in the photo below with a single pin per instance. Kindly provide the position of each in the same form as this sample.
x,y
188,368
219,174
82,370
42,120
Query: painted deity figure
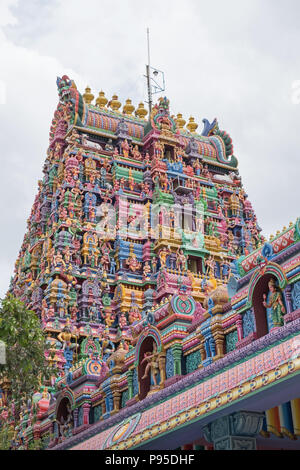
x,y
134,314
210,266
163,256
109,146
152,366
125,148
58,262
66,338
122,320
198,167
275,303
147,269
181,260
147,158
159,150
154,264
136,153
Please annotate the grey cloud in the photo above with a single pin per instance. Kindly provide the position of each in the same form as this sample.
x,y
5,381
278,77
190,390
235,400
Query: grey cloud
x,y
232,60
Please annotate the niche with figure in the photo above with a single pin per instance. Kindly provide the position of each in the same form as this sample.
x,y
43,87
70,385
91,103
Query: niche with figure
x,y
268,305
64,419
149,369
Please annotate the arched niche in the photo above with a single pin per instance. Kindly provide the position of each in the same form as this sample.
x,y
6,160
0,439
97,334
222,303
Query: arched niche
x,y
63,410
149,345
259,287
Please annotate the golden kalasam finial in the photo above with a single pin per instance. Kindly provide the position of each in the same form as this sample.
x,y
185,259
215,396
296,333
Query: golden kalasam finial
x,y
192,125
141,112
101,101
114,103
128,108
180,121
88,96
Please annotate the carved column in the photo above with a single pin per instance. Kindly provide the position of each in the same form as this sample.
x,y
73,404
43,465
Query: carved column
x,y
177,353
236,431
116,401
130,383
219,340
75,415
162,367
202,353
86,410
288,298
103,406
239,326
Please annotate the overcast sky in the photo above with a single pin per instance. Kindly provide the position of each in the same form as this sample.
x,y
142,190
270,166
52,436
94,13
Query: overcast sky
x,y
234,60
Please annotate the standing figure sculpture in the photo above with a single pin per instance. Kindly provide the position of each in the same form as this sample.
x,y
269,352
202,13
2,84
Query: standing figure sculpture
x,y
152,365
275,303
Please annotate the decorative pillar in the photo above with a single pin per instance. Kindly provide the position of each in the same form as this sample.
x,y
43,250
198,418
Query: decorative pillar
x,y
75,415
86,410
130,383
162,367
116,401
177,353
236,431
219,342
295,407
202,354
288,298
239,326
103,406
273,421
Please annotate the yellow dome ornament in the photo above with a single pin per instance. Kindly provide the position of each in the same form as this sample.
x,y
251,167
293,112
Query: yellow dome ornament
x,y
101,101
180,121
192,125
141,112
128,108
88,96
114,103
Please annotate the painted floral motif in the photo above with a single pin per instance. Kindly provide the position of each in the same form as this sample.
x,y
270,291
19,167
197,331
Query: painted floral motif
x,y
296,295
248,323
230,340
192,361
169,363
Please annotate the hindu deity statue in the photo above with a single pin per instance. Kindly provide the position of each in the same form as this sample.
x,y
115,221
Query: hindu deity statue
x,y
210,266
136,153
159,150
275,303
163,254
132,261
134,314
152,365
146,269
109,146
58,262
234,204
125,148
181,260
66,337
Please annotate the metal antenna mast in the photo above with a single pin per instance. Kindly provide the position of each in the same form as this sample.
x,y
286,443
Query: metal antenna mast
x,y
148,75
152,85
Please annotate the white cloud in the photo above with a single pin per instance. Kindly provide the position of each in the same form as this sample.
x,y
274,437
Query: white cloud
x,y
233,60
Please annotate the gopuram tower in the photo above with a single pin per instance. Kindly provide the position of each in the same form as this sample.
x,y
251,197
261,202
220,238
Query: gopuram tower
x,y
132,239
